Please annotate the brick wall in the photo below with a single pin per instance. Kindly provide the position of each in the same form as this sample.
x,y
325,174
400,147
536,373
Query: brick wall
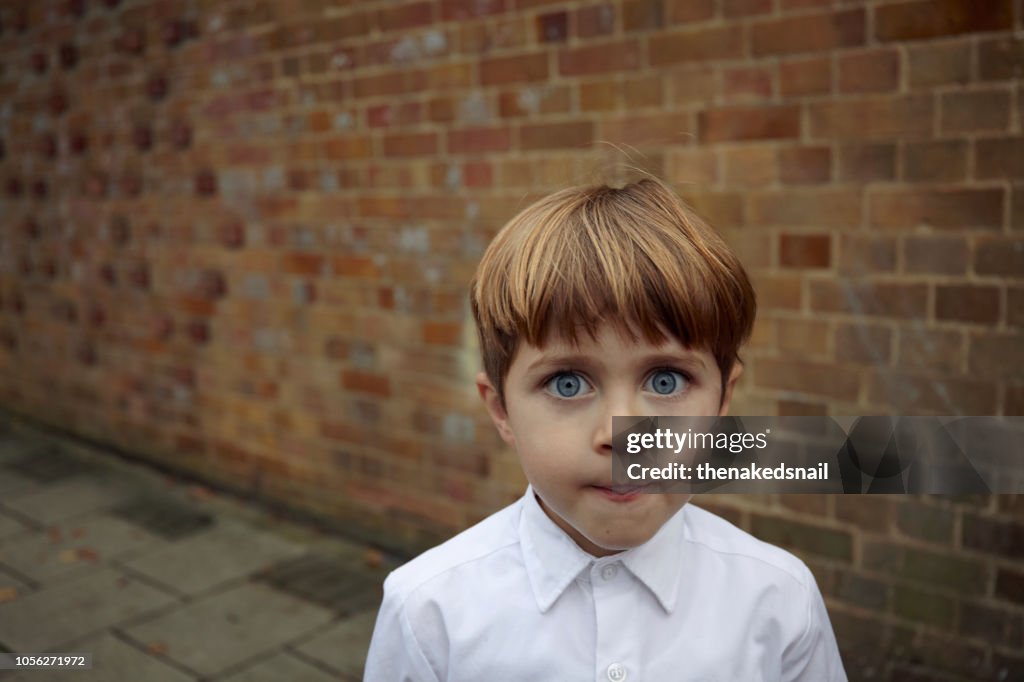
x,y
236,238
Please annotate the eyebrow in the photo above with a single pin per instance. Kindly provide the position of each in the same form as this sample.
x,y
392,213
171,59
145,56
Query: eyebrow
x,y
591,361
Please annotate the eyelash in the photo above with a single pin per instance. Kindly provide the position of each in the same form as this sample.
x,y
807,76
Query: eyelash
x,y
568,370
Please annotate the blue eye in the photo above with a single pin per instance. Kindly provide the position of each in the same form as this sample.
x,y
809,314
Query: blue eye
x,y
567,385
667,382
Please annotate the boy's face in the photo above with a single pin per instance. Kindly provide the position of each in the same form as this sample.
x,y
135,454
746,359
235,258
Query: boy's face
x,y
559,404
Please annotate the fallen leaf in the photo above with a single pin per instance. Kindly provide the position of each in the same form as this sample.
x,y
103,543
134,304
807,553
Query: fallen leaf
x,y
88,554
8,594
158,648
67,556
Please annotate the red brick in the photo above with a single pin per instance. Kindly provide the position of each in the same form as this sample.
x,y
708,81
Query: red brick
x,y
298,263
778,292
934,349
595,20
461,10
640,130
721,209
747,83
807,208
1015,306
749,123
934,254
410,144
867,254
706,44
1001,58
750,166
863,344
642,15
477,174
442,333
405,16
693,87
873,117
975,111
694,166
553,27
518,69
997,356
640,92
597,59
806,76
743,8
449,75
479,140
906,393
881,299
1001,157
955,208
576,134
386,84
866,162
933,18
366,382
934,64
967,303
805,251
999,257
598,96
805,165
935,161
347,147
808,33
684,11
814,378
874,71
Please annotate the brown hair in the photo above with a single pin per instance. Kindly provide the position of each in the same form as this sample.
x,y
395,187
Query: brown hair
x,y
637,256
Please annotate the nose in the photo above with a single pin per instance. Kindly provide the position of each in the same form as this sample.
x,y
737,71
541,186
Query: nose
x,y
619,403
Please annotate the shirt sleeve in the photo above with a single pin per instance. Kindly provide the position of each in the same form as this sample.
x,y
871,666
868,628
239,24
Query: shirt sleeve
x,y
814,657
395,654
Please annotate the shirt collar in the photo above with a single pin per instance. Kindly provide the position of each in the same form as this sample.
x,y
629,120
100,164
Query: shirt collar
x,y
553,559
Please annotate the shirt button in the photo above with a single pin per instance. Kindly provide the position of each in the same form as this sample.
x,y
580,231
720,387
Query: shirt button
x,y
609,572
616,672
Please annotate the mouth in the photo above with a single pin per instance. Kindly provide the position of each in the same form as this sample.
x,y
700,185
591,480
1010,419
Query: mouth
x,y
620,493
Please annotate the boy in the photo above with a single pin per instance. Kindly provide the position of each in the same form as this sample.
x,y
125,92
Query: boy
x,y
596,302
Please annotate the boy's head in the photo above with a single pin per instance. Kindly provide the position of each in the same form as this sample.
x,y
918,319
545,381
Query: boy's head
x,y
596,302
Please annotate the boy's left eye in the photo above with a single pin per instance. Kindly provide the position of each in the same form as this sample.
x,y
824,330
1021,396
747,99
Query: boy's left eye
x,y
666,382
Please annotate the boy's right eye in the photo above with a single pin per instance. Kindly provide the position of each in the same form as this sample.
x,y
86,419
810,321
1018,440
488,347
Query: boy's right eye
x,y
567,385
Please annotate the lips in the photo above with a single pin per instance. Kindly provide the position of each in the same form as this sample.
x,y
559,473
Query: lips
x,y
620,493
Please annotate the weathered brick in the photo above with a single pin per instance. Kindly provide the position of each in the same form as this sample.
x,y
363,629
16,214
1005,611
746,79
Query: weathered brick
x,y
599,96
817,540
935,255
821,379
806,208
597,59
1000,157
906,393
749,123
461,10
782,292
683,11
999,256
410,15
872,71
479,140
693,87
805,76
1001,58
750,166
743,8
967,303
642,15
805,251
698,165
923,348
922,606
863,344
595,20
1015,308
642,92
644,130
747,83
982,110
934,64
1010,585
867,254
706,44
933,18
553,27
526,68
866,162
410,144
861,591
925,522
997,356
881,299
808,33
873,117
802,338
955,208
805,165
935,161
1002,538
366,382
556,135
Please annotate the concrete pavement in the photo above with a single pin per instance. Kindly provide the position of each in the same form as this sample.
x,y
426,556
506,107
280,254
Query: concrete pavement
x,y
162,580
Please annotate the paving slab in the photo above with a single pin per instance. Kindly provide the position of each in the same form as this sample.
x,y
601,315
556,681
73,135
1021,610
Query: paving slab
x,y
74,547
227,551
226,629
14,485
112,661
44,620
10,526
281,667
70,499
343,646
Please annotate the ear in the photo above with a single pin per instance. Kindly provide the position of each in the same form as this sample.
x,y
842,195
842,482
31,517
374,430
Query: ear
x,y
492,401
734,374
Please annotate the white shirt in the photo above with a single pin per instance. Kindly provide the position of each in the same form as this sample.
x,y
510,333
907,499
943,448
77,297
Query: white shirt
x,y
514,598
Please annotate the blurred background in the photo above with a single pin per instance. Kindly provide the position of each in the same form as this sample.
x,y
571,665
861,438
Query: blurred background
x,y
236,239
